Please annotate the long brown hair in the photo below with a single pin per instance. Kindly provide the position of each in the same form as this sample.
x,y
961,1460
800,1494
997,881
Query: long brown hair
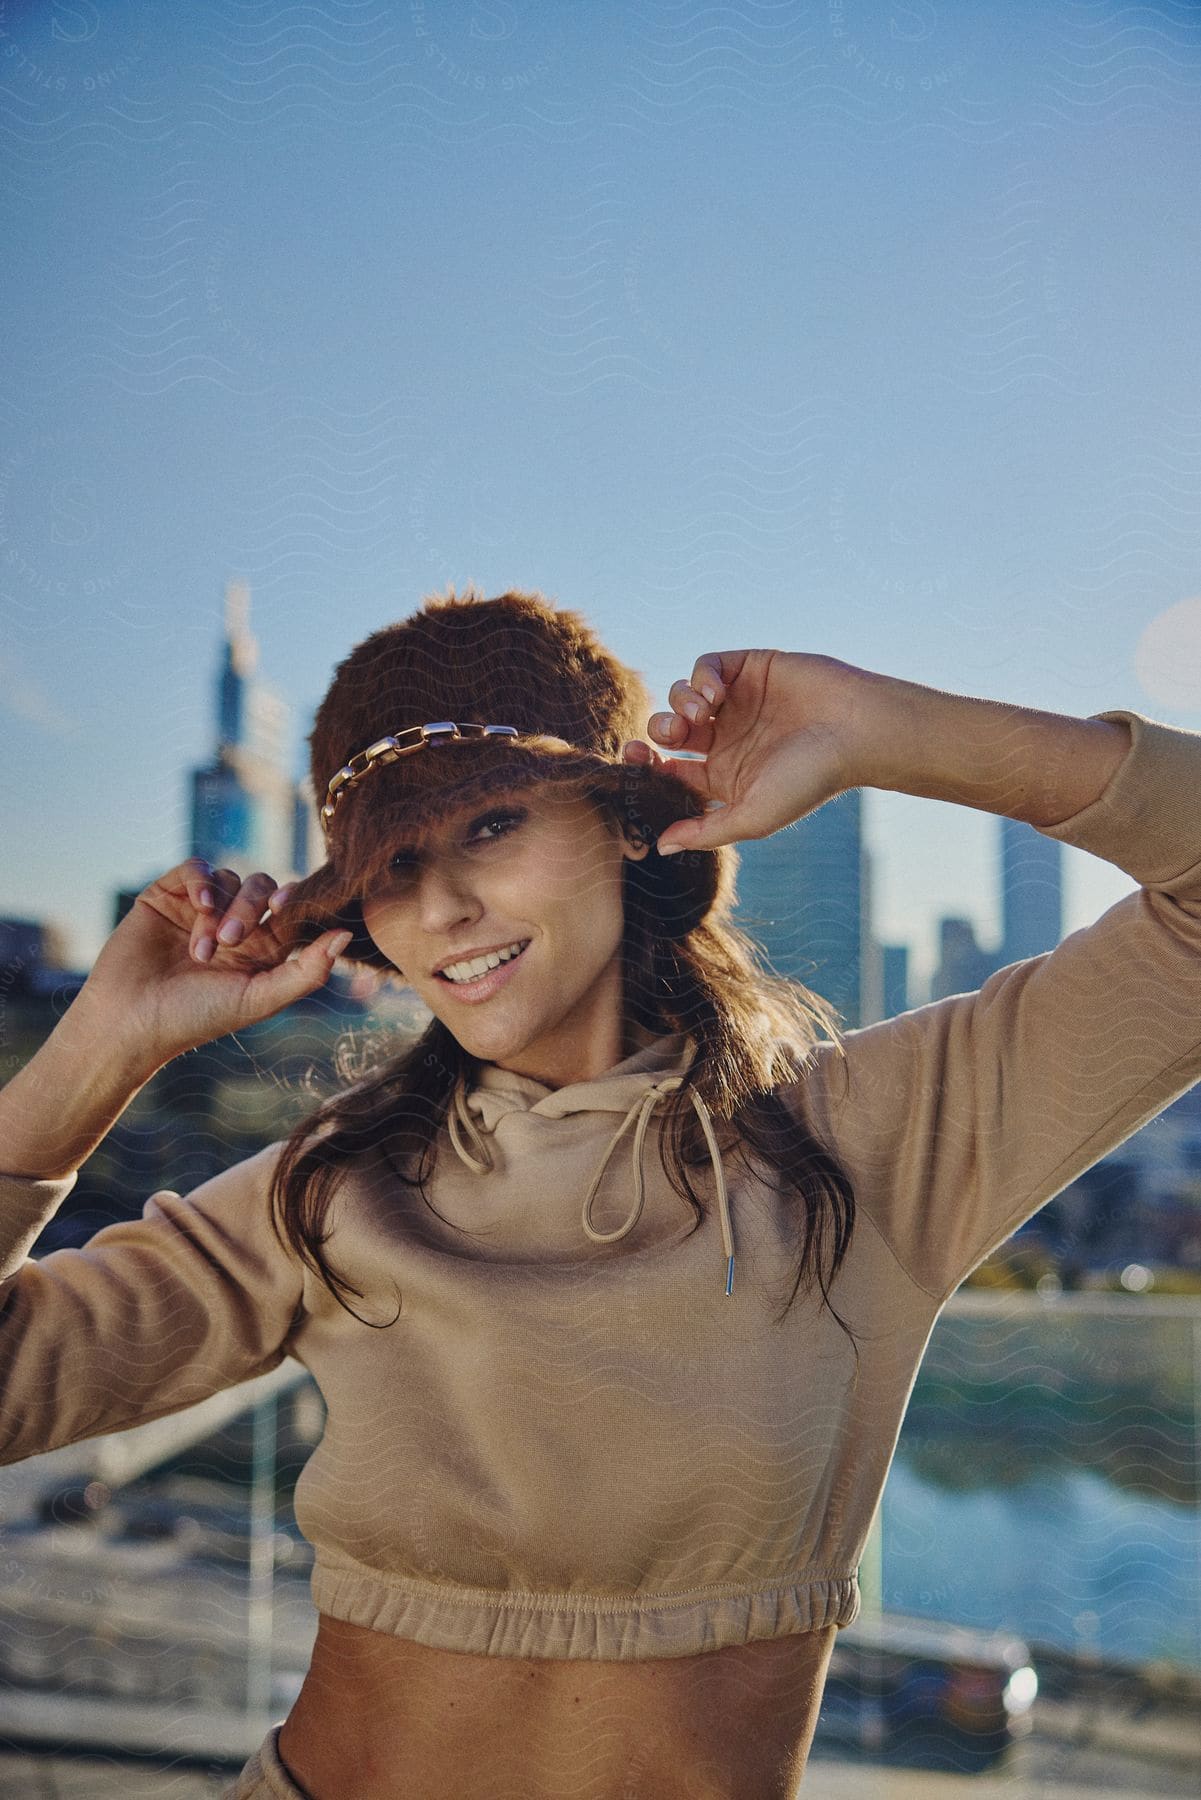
x,y
685,965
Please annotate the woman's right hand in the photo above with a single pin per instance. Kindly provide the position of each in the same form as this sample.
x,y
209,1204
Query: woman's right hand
x,y
168,982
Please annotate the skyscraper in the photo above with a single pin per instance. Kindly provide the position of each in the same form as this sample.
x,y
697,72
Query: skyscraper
x,y
247,811
1031,913
1031,891
896,979
804,895
963,964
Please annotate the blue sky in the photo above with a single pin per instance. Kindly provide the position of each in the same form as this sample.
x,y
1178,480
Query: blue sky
x,y
864,329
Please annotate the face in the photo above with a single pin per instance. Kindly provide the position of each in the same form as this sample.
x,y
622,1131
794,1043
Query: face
x,y
537,871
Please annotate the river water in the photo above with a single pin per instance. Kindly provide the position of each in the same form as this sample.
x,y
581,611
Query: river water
x,y
1048,1477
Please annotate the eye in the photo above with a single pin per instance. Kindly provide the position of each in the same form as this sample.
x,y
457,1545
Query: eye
x,y
493,826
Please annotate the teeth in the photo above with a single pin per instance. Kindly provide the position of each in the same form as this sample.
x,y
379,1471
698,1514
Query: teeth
x,y
479,965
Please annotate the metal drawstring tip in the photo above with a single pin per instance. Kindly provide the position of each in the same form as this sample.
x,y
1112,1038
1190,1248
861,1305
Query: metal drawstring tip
x,y
729,1275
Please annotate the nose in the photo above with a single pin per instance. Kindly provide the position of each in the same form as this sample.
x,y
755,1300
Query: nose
x,y
445,898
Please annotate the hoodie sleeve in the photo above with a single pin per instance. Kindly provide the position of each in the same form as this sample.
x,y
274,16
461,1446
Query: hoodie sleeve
x,y
150,1316
960,1119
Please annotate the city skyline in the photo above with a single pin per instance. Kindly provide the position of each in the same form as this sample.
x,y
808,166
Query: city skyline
x,y
863,335
806,896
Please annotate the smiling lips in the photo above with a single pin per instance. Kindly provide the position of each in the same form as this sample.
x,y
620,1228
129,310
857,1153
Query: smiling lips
x,y
479,977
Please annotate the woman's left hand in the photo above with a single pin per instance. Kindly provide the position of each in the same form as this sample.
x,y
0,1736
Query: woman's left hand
x,y
775,729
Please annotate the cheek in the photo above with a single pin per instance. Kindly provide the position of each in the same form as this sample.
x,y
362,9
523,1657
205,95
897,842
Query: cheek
x,y
593,901
373,919
385,928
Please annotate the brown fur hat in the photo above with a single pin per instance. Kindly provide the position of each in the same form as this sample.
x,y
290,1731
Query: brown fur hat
x,y
514,660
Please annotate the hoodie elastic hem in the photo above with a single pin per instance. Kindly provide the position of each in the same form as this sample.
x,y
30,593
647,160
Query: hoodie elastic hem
x,y
575,1626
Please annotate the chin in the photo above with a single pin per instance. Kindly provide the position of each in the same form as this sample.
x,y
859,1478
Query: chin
x,y
489,1040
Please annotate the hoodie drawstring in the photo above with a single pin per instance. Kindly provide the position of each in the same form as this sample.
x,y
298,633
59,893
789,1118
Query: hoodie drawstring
x,y
460,1119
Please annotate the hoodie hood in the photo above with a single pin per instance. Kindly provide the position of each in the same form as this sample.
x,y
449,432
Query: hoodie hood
x,y
632,1091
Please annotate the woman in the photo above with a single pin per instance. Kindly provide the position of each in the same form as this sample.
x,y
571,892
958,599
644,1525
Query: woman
x,y
599,1462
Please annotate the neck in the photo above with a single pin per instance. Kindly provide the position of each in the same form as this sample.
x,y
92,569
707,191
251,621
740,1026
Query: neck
x,y
630,1039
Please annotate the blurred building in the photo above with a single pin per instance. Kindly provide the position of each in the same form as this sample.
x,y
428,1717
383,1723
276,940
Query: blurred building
x,y
963,964
1031,870
804,896
1167,1151
247,811
895,973
33,960
1031,891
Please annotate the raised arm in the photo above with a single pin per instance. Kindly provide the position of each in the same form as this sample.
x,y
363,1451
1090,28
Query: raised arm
x,y
959,1119
782,732
156,1313
161,985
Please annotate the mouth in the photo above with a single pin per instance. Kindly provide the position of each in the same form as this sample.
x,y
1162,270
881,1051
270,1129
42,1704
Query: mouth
x,y
485,984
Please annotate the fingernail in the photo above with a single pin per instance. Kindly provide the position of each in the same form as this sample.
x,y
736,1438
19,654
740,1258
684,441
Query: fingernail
x,y
206,898
694,709
338,944
231,932
710,694
204,949
714,805
669,849
281,895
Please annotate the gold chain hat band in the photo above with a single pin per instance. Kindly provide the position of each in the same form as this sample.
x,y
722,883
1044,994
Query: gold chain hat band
x,y
403,743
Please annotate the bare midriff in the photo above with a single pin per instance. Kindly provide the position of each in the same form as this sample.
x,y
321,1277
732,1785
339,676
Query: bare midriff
x,y
383,1718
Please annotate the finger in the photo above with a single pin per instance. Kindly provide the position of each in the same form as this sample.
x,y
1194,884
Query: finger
x,y
707,678
693,706
667,727
687,726
694,773
714,673
198,883
221,886
192,878
762,812
721,824
258,938
244,908
308,969
227,882
698,702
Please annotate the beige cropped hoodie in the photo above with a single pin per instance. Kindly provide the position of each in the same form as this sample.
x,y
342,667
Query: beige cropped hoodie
x,y
573,1441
